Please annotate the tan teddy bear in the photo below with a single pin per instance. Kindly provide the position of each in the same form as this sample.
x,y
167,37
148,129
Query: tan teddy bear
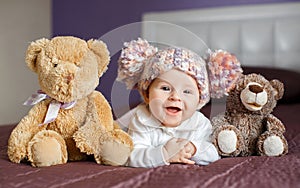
x,y
69,119
247,127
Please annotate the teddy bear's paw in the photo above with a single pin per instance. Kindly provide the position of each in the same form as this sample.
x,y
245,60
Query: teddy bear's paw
x,y
273,146
227,141
47,148
115,153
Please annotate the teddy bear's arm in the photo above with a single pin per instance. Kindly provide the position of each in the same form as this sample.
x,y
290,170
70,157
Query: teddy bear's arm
x,y
103,110
98,125
272,142
106,119
273,124
24,131
101,136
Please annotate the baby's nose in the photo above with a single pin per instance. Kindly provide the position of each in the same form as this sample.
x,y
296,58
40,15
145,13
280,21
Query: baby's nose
x,y
174,96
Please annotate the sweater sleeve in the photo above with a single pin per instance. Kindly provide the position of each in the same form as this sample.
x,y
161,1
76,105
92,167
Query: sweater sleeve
x,y
144,153
206,152
147,157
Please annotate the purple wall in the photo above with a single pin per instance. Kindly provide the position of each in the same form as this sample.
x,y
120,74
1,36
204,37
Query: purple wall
x,y
94,18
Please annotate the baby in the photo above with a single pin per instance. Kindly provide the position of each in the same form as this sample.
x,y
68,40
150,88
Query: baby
x,y
168,127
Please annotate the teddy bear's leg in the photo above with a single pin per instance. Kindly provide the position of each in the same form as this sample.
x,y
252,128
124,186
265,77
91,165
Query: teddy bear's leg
x,y
23,133
116,151
272,144
228,140
47,148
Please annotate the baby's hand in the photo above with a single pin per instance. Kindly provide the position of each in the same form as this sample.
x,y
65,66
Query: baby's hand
x,y
190,148
179,150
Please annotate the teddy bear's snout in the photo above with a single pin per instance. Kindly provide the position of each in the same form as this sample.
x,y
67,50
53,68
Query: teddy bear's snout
x,y
69,78
254,97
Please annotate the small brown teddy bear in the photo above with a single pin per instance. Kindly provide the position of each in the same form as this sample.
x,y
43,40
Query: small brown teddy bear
x,y
69,119
247,127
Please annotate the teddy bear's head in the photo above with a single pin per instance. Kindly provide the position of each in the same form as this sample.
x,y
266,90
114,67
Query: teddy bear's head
x,y
254,94
68,68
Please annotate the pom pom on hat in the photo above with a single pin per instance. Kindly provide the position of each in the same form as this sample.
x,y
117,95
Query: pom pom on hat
x,y
224,69
132,60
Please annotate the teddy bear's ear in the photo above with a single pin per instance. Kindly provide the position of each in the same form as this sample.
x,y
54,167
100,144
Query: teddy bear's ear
x,y
279,87
100,49
32,52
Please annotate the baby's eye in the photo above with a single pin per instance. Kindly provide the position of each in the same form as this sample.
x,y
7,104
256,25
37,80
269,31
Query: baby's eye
x,y
187,92
165,88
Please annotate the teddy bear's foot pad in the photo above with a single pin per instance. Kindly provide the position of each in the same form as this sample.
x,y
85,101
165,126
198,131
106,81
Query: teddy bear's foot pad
x,y
273,146
227,141
115,153
47,148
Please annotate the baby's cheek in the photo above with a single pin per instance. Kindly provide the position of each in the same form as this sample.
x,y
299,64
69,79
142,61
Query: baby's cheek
x,y
155,105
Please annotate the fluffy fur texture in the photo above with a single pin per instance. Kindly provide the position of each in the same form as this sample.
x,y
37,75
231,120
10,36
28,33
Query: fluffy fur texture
x,y
69,69
247,127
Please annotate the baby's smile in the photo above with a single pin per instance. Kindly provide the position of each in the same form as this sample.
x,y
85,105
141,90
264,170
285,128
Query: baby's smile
x,y
173,110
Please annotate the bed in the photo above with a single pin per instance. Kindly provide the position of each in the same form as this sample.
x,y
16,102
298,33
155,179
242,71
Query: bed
x,y
253,171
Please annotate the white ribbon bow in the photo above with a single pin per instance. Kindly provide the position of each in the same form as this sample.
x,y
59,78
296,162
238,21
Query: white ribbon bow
x,y
53,108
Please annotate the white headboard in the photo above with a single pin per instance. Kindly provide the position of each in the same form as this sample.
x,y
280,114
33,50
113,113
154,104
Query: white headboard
x,y
259,35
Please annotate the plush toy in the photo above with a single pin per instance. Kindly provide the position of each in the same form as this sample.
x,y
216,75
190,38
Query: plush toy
x,y
70,119
247,127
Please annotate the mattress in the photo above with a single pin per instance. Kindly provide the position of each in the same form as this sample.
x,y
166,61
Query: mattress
x,y
253,171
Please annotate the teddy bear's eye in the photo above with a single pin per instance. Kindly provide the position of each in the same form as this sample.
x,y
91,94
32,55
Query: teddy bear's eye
x,y
55,65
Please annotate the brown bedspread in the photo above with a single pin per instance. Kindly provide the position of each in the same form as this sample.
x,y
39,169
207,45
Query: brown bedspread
x,y
254,171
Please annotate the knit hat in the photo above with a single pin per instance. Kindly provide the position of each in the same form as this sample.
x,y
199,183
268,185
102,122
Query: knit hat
x,y
140,63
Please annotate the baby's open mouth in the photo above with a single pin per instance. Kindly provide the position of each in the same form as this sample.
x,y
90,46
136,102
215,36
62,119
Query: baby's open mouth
x,y
173,109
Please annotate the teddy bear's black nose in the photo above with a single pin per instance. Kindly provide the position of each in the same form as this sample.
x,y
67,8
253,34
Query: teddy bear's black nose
x,y
256,88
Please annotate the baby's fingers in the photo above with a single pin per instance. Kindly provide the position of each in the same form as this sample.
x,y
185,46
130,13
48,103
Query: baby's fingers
x,y
186,155
187,161
185,158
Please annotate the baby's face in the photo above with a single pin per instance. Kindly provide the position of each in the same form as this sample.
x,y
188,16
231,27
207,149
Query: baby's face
x,y
173,97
